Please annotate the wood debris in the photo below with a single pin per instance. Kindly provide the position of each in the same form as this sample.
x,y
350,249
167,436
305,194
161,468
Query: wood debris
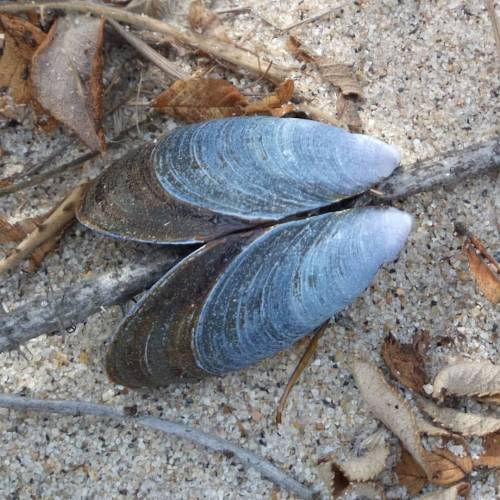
x,y
67,76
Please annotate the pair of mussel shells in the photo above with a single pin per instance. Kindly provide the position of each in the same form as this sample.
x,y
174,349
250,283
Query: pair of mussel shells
x,y
268,273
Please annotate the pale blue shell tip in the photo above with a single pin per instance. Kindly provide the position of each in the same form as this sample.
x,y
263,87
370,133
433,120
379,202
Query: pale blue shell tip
x,y
394,228
383,158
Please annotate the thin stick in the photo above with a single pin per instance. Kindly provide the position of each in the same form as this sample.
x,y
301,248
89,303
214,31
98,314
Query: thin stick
x,y
312,19
219,49
310,351
170,68
490,6
55,223
201,438
36,317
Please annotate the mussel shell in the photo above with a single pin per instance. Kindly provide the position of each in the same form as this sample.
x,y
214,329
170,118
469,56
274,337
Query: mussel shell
x,y
206,180
245,297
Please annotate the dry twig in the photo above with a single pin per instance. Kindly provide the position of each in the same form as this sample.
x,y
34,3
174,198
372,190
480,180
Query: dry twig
x,y
217,48
201,438
52,226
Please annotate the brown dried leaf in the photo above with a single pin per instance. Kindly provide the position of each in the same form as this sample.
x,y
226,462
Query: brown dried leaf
x,y
9,233
199,100
487,280
389,407
347,113
473,378
342,76
334,479
410,474
67,76
405,363
467,424
294,46
206,21
491,456
274,102
447,468
21,40
452,493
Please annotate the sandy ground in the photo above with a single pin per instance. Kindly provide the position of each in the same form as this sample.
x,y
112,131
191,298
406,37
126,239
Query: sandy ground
x,y
431,85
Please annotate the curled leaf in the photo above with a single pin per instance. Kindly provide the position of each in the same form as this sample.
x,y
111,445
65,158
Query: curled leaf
x,y
467,424
366,466
206,21
447,468
272,102
474,378
67,76
342,76
410,474
429,429
295,47
405,363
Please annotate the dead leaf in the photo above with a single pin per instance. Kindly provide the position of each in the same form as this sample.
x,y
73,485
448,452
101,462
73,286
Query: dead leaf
x,y
366,466
196,100
347,113
447,468
205,21
389,407
467,424
405,363
21,40
410,474
491,456
67,76
473,378
452,493
341,76
427,428
295,47
487,280
199,100
334,479
273,102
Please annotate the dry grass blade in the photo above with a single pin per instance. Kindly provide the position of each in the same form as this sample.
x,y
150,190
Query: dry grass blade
x,y
58,220
310,351
491,455
405,363
390,408
67,76
473,378
490,6
466,424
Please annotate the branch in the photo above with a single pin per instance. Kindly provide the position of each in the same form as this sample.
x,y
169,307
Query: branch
x,y
214,443
77,303
446,170
217,48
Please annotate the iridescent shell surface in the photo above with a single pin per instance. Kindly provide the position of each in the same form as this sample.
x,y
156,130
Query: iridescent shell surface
x,y
202,181
246,296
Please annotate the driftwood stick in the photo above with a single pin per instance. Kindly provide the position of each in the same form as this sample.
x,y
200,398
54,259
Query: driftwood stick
x,y
201,438
37,318
445,170
75,304
219,49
